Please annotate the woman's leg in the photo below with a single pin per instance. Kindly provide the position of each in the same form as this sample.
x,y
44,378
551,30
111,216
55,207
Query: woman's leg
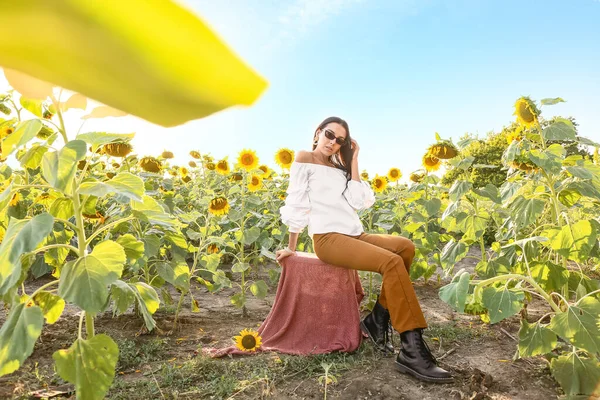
x,y
353,253
392,259
399,245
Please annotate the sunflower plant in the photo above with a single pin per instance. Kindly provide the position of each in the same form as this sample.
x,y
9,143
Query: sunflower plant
x,y
544,244
70,185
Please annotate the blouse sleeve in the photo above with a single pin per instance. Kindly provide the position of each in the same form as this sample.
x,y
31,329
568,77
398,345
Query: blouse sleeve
x,y
359,195
296,210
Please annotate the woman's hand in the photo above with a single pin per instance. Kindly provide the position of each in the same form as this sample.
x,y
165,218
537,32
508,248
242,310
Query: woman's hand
x,y
283,253
355,148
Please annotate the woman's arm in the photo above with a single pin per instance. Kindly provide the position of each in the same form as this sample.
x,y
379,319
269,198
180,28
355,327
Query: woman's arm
x,y
355,173
293,240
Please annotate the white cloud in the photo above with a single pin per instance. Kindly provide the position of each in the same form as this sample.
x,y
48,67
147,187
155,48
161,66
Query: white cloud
x,y
305,13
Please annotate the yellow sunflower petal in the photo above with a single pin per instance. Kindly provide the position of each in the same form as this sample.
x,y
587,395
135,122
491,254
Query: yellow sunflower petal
x,y
127,46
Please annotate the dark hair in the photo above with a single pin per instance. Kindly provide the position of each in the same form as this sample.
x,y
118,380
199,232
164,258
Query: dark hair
x,y
343,159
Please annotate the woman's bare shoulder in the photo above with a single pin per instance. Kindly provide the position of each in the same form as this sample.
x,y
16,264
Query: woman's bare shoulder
x,y
304,156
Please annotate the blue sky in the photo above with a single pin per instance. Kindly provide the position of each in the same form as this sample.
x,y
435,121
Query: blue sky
x,y
397,71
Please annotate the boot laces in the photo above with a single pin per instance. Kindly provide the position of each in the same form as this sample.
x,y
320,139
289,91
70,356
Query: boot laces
x,y
424,349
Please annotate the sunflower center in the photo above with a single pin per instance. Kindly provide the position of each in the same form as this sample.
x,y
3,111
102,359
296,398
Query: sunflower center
x,y
247,159
285,157
219,204
222,165
394,173
254,180
248,342
378,183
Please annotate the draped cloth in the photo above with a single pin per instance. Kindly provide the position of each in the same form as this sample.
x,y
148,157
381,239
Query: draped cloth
x,y
316,310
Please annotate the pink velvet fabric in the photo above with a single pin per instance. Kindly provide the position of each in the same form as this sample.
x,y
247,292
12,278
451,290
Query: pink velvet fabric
x,y
316,310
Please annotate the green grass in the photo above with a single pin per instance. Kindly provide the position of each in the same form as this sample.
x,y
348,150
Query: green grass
x,y
451,332
204,377
134,353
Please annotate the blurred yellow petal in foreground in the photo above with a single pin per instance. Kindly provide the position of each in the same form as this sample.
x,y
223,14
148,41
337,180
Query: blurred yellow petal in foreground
x,y
153,59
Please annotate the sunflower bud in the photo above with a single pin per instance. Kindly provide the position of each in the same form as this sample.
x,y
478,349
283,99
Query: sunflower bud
x,y
167,155
47,114
150,164
44,133
119,149
526,111
4,109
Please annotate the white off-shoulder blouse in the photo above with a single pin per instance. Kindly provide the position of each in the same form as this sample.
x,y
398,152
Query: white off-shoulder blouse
x,y
322,198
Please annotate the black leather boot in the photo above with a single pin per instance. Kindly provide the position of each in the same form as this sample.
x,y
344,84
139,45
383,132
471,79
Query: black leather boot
x,y
416,359
377,326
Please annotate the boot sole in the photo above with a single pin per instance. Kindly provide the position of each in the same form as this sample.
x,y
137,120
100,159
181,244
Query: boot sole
x,y
364,329
406,370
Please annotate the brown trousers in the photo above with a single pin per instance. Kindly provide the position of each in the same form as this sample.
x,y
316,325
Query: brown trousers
x,y
391,256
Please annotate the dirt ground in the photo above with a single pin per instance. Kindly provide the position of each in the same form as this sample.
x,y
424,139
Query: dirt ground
x,y
479,355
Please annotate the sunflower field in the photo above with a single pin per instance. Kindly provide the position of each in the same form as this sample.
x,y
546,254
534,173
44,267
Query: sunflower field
x,y
115,230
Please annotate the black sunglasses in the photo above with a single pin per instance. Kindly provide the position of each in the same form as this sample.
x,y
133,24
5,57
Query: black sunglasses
x,y
330,135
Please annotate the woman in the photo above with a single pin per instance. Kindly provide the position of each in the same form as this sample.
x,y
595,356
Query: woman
x,y
325,191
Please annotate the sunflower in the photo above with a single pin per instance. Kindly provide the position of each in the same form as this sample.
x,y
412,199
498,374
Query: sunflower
x,y
15,199
186,179
222,167
47,114
254,183
116,165
5,131
118,149
81,165
526,111
379,183
431,162
417,177
98,217
266,171
236,176
248,340
195,154
282,197
247,159
110,175
443,149
284,158
167,155
192,164
364,175
150,164
394,174
45,199
514,135
212,249
218,206
44,133
210,166
183,171
207,158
